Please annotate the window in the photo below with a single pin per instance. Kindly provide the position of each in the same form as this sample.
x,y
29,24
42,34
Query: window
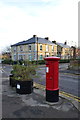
x,y
24,57
29,47
47,55
52,48
20,57
47,47
14,49
21,48
40,46
14,57
41,57
30,56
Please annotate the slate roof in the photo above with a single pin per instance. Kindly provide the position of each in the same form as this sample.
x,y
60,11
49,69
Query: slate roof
x,y
63,45
33,40
44,41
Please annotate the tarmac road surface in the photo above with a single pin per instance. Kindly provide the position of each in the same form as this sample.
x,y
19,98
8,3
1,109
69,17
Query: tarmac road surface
x,y
67,82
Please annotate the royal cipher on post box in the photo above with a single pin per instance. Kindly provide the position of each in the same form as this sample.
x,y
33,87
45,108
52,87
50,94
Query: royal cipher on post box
x,y
52,83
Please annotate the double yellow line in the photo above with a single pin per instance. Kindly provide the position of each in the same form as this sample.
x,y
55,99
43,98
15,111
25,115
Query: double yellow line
x,y
71,74
37,85
70,96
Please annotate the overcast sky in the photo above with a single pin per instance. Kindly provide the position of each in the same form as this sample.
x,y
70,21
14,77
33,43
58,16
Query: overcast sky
x,y
21,19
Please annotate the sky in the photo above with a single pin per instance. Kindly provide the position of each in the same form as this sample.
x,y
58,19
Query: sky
x,y
21,19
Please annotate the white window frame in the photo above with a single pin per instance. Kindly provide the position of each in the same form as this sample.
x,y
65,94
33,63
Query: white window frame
x,y
47,48
40,46
52,48
29,47
20,57
29,57
40,56
21,48
15,57
15,49
47,54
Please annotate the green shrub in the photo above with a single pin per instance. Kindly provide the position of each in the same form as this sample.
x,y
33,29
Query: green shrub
x,y
7,61
40,62
64,61
27,62
23,73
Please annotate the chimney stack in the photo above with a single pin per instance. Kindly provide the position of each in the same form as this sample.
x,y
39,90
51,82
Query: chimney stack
x,y
65,43
34,36
54,41
47,38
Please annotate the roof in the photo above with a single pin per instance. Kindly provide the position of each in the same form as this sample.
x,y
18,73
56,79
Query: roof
x,y
44,41
63,45
34,40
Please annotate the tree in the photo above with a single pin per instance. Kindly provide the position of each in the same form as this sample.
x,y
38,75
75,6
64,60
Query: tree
x,y
6,53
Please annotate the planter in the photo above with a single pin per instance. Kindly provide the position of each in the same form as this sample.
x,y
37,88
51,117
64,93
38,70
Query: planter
x,y
12,82
24,87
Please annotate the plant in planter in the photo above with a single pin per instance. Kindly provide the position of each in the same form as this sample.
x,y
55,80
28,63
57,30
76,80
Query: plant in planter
x,y
24,79
12,81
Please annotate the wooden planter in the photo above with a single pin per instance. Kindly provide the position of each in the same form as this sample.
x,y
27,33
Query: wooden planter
x,y
12,82
24,87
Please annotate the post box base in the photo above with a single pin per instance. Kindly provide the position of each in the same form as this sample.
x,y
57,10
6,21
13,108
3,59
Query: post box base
x,y
52,96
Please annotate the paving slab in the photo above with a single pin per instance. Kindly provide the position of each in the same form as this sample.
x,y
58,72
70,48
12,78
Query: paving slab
x,y
34,105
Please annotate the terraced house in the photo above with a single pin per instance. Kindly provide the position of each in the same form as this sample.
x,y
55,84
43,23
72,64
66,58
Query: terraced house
x,y
63,50
35,48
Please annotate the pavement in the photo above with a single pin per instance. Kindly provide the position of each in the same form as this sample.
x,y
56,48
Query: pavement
x,y
34,105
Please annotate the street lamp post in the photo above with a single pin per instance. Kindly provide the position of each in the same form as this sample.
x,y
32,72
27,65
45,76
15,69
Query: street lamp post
x,y
37,50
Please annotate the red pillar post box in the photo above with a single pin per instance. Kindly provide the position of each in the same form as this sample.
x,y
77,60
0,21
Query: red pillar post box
x,y
52,88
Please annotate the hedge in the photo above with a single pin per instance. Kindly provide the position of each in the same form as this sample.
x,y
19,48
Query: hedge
x,y
7,61
40,62
64,61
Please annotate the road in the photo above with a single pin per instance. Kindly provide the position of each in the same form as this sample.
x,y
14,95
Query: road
x,y
67,82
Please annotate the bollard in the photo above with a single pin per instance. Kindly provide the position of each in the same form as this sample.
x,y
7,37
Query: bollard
x,y
52,89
